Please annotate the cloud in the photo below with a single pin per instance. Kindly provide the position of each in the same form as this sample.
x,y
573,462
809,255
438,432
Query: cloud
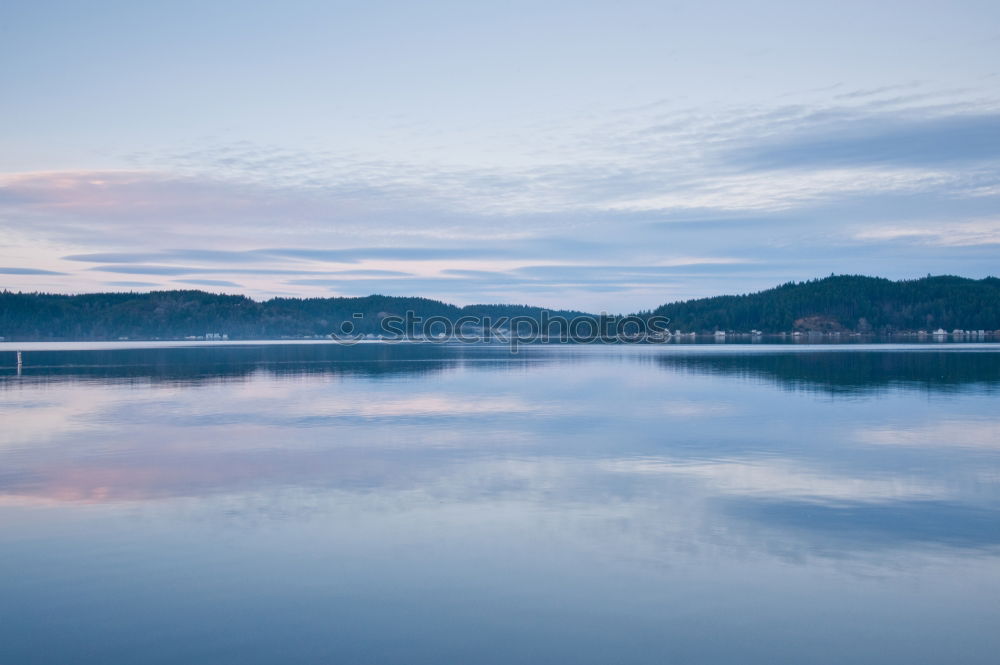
x,y
341,255
670,267
195,270
140,284
391,253
207,282
146,270
219,256
374,273
963,234
888,140
28,271
623,205
874,92
408,286
487,275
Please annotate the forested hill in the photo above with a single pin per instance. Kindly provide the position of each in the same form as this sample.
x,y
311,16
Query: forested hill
x,y
848,302
836,303
178,314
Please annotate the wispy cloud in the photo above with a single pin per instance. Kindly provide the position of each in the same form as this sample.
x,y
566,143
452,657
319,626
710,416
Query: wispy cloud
x,y
28,271
941,234
207,282
126,283
646,204
883,139
139,269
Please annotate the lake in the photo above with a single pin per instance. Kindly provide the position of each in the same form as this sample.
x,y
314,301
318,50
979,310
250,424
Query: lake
x,y
425,503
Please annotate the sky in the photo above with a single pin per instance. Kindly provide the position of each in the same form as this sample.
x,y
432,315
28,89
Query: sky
x,y
603,156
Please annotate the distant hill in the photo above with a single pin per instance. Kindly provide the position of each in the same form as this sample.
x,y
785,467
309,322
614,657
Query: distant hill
x,y
178,314
836,303
847,303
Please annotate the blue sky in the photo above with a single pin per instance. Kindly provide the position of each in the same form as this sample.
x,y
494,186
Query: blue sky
x,y
603,156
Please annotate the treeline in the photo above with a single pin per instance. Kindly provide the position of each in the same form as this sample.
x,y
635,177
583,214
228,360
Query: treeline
x,y
178,314
835,303
848,303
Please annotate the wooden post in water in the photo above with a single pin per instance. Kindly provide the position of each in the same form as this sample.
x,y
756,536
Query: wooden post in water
x,y
20,362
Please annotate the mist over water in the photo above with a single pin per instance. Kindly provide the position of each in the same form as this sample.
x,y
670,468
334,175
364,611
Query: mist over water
x,y
433,503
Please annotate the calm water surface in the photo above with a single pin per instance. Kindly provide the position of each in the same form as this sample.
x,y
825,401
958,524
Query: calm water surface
x,y
434,504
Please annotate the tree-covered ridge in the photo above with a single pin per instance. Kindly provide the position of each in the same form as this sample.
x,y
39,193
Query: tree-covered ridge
x,y
848,303
836,303
178,314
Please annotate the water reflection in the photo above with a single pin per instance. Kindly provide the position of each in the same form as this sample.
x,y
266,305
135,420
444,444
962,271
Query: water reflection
x,y
600,505
865,525
852,373
832,369
195,364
